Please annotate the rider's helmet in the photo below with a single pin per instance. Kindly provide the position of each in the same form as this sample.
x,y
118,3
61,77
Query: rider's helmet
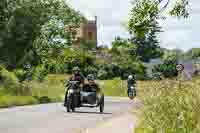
x,y
76,70
130,77
90,77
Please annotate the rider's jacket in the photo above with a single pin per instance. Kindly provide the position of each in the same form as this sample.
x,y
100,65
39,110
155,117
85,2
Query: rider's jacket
x,y
131,82
77,77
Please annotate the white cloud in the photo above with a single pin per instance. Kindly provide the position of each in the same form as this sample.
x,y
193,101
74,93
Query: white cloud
x,y
113,14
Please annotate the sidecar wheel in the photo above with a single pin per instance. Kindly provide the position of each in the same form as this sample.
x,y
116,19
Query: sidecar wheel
x,y
73,109
101,107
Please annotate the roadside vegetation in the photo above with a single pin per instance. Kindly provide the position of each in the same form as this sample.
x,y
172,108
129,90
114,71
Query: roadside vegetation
x,y
50,89
37,54
15,93
169,107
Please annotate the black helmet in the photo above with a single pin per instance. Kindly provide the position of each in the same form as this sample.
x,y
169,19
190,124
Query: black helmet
x,y
90,77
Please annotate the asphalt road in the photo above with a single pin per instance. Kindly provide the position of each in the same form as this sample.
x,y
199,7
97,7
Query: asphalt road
x,y
53,118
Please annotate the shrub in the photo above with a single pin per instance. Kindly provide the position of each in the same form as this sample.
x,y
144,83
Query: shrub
x,y
39,73
102,74
9,81
21,74
168,70
90,70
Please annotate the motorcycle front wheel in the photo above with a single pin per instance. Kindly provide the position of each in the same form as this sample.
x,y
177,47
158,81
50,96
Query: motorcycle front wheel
x,y
130,94
70,105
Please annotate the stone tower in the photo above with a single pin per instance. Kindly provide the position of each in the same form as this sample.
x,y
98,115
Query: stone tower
x,y
87,32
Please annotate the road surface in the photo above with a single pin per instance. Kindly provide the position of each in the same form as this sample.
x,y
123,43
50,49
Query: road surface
x,y
53,118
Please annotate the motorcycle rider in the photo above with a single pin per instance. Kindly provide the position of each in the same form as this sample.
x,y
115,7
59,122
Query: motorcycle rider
x,y
131,81
92,86
76,76
92,83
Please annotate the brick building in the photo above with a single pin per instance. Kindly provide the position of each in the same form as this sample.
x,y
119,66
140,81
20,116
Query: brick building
x,y
87,33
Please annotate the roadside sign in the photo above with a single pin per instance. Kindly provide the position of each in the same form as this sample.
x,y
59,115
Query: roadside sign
x,y
179,67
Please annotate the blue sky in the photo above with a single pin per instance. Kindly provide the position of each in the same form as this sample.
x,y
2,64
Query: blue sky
x,y
113,16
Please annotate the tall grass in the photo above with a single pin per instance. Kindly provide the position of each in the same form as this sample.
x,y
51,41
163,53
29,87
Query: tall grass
x,y
8,100
13,93
170,107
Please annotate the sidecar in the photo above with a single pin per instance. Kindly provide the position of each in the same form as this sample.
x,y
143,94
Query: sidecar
x,y
87,97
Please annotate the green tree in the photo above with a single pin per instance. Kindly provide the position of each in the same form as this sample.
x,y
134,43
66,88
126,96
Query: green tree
x,y
127,62
29,25
123,46
144,27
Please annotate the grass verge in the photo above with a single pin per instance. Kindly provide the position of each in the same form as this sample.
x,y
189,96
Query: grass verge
x,y
34,92
170,107
51,90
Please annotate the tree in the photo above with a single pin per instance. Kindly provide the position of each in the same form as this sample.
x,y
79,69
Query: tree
x,y
28,26
120,43
144,27
123,46
180,9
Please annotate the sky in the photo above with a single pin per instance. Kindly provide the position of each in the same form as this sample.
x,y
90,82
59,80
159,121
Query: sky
x,y
113,16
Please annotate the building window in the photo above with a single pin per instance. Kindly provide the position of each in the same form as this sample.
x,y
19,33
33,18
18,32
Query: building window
x,y
90,35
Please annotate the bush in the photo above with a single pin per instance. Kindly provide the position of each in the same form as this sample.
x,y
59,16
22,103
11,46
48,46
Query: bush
x,y
90,70
9,81
102,74
168,70
21,74
39,73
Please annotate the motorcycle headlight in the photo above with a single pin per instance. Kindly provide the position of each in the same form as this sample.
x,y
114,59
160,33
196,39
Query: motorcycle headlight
x,y
132,87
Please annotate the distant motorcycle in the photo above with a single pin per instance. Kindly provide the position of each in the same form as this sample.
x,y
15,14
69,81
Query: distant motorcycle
x,y
77,98
132,92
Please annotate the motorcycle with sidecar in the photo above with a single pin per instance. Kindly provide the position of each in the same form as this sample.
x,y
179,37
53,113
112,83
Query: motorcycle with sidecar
x,y
84,97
